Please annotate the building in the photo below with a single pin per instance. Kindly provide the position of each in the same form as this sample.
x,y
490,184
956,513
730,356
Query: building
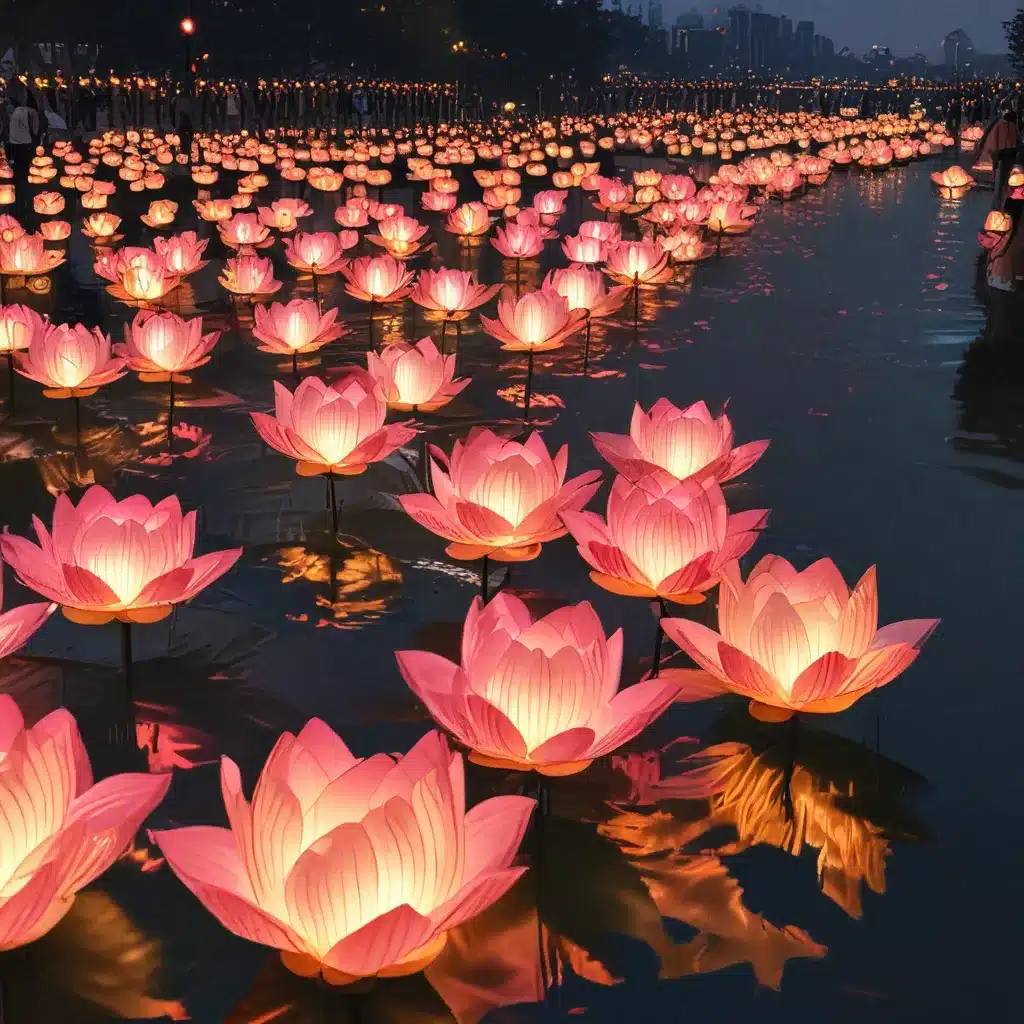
x,y
957,49
699,49
764,40
739,36
824,48
803,39
654,16
690,19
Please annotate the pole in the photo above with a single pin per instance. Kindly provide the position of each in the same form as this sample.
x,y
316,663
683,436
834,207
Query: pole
x,y
659,638
586,348
334,503
529,386
126,658
78,421
170,415
484,579
10,382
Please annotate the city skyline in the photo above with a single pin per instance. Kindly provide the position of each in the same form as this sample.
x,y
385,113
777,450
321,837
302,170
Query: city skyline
x,y
894,23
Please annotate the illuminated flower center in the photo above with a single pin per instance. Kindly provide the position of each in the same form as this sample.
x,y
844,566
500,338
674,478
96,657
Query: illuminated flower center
x,y
681,446
512,488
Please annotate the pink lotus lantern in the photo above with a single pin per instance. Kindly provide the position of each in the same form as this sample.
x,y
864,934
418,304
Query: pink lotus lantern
x,y
321,253
351,215
127,560
470,221
391,829
550,205
438,202
28,256
251,276
415,378
214,210
640,264
535,322
400,236
794,641
161,214
284,214
333,430
163,348
376,279
450,294
615,197
18,326
48,204
102,227
182,254
66,831
296,328
244,230
498,498
685,246
583,249
663,539
55,230
70,361
730,218
518,241
685,443
585,290
535,694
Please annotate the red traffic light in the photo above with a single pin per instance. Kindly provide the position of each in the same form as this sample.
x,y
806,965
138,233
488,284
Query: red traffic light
x,y
188,26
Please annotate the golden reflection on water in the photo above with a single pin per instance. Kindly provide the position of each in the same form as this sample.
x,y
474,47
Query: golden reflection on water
x,y
361,582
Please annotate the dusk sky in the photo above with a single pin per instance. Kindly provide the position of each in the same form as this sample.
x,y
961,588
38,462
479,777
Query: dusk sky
x,y
905,25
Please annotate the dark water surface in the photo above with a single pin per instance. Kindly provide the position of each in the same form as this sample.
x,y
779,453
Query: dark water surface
x,y
846,328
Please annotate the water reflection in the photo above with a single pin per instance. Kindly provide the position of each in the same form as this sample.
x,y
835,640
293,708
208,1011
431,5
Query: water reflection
x,y
94,966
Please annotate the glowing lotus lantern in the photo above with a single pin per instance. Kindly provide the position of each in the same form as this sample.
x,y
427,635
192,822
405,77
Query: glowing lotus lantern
x,y
7,194
499,498
470,222
415,378
252,276
48,204
70,361
214,210
785,183
90,825
284,214
953,182
102,227
400,236
639,264
662,538
550,205
244,230
376,279
323,179
334,429
998,225
584,250
730,218
615,197
94,200
352,215
684,443
203,174
685,246
585,290
795,641
55,230
146,284
319,253
161,214
677,188
406,904
182,254
450,294
535,694
534,322
296,328
104,559
163,347
438,202
518,241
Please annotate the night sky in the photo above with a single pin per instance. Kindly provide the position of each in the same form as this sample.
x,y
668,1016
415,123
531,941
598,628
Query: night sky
x,y
904,25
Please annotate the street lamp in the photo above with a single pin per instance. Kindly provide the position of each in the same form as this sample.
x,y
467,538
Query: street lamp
x,y
188,30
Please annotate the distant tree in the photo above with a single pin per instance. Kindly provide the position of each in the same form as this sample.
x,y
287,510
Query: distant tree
x,y
1014,30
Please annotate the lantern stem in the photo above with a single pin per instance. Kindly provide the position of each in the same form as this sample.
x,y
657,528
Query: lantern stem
x,y
586,348
170,415
484,579
126,659
540,817
444,335
78,421
517,277
659,638
333,494
636,301
295,364
370,326
529,386
316,290
787,776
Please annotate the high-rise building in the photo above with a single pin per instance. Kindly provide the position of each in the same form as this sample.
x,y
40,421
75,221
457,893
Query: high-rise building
x,y
699,49
803,39
786,33
739,35
654,15
957,49
690,19
764,40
